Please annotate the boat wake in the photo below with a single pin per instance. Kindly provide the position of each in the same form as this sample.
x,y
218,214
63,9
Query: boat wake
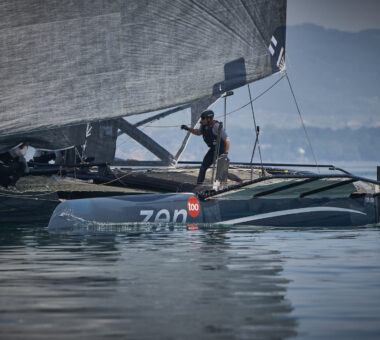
x,y
79,225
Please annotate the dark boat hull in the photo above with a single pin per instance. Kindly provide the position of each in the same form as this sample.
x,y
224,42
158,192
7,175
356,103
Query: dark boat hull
x,y
27,210
37,207
186,208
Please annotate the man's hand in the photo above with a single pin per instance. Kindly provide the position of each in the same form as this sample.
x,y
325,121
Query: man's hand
x,y
184,127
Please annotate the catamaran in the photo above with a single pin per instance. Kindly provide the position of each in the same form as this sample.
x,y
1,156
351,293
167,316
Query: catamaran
x,y
73,73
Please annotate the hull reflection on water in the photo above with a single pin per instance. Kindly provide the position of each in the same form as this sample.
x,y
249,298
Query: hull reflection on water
x,y
167,282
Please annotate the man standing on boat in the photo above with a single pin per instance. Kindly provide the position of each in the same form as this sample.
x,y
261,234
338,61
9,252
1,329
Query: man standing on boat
x,y
13,165
209,130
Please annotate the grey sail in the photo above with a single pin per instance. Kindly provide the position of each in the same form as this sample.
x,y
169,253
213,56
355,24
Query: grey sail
x,y
100,144
66,62
52,139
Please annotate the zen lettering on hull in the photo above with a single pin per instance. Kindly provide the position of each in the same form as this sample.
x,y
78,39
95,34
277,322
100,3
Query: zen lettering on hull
x,y
164,216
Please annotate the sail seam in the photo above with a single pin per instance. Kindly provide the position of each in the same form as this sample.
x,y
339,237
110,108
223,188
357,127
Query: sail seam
x,y
124,66
255,24
221,23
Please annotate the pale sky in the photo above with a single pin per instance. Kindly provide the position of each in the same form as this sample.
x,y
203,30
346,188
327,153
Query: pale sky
x,y
345,15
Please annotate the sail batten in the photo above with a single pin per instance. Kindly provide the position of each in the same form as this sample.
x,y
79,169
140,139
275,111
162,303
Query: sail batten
x,y
68,62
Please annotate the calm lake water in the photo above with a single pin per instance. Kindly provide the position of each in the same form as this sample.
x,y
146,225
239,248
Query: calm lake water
x,y
172,283
242,283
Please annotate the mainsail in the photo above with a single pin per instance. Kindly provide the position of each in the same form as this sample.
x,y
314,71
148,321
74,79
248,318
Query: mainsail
x,y
66,62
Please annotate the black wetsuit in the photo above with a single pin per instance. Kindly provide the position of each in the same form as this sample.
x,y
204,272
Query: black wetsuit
x,y
209,133
11,169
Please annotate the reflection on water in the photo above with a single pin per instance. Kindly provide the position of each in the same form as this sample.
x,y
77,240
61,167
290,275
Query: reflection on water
x,y
170,283
167,282
335,289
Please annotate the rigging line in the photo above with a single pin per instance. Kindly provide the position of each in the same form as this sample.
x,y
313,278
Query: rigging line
x,y
77,153
257,133
302,122
21,195
233,111
26,195
257,97
117,179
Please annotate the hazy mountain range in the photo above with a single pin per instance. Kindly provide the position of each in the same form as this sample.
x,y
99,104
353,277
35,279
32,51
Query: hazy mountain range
x,y
336,75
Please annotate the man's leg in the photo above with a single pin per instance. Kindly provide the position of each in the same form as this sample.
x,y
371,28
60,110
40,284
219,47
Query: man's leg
x,y
18,170
5,173
207,161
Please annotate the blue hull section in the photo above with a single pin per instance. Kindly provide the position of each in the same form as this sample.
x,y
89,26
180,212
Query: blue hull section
x,y
186,208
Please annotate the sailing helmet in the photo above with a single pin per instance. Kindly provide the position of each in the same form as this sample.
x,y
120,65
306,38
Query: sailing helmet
x,y
207,114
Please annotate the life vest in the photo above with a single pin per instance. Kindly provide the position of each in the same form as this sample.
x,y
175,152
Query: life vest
x,y
209,137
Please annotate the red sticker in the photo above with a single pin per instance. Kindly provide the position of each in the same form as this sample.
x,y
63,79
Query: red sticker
x,y
192,227
193,206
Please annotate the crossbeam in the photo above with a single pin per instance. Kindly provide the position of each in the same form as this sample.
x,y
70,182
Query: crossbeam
x,y
145,141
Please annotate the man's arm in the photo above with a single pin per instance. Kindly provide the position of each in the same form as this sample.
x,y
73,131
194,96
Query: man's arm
x,y
227,144
224,138
193,131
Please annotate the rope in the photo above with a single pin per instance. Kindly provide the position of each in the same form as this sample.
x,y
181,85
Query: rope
x,y
27,195
115,179
257,97
21,195
302,122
